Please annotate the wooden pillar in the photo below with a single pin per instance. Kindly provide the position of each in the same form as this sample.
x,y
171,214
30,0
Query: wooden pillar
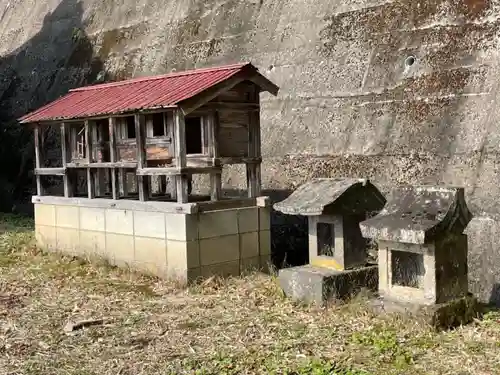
x,y
88,155
140,136
38,159
173,187
99,178
258,145
112,157
66,157
254,151
153,181
169,123
122,182
73,131
212,127
181,182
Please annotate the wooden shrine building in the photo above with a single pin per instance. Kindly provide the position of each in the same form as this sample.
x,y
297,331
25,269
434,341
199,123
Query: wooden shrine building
x,y
145,131
174,125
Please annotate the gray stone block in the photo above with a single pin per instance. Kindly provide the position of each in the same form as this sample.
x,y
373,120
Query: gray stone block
x,y
318,284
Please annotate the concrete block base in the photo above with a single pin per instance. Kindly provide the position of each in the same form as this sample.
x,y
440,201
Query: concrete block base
x,y
447,315
153,238
319,285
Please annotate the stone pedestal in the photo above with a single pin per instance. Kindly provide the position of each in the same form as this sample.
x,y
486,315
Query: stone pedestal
x,y
319,284
450,314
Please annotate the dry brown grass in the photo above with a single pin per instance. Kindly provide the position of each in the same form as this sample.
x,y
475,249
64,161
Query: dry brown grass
x,y
239,326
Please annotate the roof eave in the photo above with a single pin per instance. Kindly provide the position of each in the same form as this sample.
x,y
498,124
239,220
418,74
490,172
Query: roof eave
x,y
93,117
265,84
290,211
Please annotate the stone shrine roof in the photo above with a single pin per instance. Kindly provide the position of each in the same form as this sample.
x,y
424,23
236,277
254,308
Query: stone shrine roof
x,y
419,214
333,196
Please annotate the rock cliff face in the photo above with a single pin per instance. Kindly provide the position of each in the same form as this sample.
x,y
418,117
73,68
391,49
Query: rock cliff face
x,y
395,91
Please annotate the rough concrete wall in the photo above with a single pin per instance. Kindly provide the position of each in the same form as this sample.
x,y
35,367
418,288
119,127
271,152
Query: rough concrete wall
x,y
348,106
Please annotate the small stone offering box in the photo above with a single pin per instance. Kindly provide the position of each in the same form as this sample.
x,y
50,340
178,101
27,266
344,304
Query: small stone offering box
x,y
338,264
422,254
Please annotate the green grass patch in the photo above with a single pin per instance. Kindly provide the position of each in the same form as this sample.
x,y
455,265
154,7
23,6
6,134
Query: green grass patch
x,y
227,364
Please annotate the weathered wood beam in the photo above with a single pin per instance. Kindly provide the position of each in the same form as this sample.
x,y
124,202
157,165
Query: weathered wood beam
x,y
125,165
213,134
232,106
170,132
200,161
204,135
112,158
253,170
174,171
100,186
50,171
181,182
122,183
182,189
173,187
165,126
251,181
255,118
38,159
65,149
88,157
140,136
213,151
216,186
73,136
149,127
156,141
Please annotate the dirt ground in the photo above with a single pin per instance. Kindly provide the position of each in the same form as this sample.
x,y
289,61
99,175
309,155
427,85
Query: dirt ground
x,y
140,325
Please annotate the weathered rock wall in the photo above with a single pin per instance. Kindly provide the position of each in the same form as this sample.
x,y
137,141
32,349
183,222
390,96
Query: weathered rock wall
x,y
349,105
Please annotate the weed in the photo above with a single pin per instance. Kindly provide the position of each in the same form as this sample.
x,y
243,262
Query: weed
x,y
325,367
383,342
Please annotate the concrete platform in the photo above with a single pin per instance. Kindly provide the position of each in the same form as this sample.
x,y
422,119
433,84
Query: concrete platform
x,y
442,316
182,242
317,284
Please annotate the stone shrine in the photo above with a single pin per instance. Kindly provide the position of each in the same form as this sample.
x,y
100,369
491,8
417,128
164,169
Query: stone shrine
x,y
422,254
338,263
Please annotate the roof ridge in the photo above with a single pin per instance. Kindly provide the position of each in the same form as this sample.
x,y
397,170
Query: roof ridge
x,y
162,76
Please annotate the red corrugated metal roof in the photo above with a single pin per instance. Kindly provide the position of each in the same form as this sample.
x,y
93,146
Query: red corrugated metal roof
x,y
135,94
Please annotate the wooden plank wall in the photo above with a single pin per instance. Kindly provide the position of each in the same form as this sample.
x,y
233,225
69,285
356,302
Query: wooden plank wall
x,y
233,124
233,133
